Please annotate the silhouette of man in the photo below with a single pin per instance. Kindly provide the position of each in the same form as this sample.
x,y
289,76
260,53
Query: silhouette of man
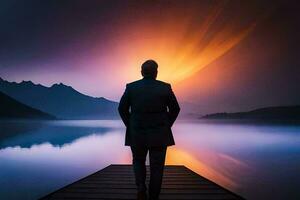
x,y
148,108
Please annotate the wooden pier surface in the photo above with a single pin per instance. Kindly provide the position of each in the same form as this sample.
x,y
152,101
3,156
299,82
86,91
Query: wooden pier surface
x,y
117,182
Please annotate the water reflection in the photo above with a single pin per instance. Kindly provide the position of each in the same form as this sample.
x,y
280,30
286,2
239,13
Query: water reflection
x,y
28,133
58,154
248,159
181,157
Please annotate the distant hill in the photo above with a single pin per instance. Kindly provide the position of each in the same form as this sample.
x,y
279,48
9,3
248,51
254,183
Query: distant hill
x,y
12,109
268,113
60,100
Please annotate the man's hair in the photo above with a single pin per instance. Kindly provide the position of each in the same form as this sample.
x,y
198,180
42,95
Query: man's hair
x,y
149,68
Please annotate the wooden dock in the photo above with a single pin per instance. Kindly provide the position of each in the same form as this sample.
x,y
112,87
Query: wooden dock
x,y
117,182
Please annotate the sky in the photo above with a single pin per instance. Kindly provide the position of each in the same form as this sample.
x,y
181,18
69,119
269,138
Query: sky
x,y
219,55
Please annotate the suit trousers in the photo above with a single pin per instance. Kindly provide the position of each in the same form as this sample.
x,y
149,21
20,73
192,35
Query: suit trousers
x,y
157,160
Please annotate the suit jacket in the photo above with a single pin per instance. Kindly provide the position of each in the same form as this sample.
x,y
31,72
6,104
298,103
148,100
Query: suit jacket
x,y
148,109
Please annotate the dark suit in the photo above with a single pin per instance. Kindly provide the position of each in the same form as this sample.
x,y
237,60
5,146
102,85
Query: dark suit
x,y
149,108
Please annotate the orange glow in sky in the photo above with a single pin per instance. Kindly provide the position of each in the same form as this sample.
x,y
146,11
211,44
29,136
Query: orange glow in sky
x,y
97,53
181,45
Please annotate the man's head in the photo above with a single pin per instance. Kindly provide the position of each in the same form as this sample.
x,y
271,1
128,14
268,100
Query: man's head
x,y
149,69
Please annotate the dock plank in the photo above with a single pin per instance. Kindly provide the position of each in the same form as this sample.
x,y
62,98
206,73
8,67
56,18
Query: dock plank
x,y
117,182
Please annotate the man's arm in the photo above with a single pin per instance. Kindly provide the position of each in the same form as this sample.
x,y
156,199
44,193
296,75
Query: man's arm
x,y
124,106
173,106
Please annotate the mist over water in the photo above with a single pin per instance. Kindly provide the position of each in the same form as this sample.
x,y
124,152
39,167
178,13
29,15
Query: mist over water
x,y
257,161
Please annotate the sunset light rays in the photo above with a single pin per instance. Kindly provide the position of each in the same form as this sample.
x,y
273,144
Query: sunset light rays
x,y
182,45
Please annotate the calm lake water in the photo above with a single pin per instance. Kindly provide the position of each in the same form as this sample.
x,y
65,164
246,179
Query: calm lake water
x,y
257,161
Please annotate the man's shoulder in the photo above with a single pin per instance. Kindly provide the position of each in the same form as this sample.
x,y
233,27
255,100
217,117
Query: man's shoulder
x,y
139,82
163,83
131,84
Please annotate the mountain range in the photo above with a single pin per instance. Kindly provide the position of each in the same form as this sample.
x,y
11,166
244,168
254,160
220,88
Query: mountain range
x,y
29,100
268,113
12,109
60,100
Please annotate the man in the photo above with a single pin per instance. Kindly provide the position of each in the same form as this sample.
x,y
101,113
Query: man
x,y
148,108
